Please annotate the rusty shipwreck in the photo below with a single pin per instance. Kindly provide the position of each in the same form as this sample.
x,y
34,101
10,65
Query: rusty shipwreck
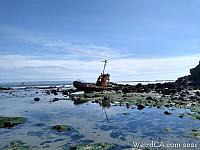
x,y
102,83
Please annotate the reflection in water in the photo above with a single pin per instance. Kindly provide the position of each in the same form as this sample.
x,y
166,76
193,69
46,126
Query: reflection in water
x,y
105,103
90,122
104,109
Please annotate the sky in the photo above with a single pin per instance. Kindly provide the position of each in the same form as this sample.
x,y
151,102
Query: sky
x,y
67,39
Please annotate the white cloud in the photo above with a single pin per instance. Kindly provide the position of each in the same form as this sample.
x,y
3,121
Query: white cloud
x,y
87,51
23,67
59,44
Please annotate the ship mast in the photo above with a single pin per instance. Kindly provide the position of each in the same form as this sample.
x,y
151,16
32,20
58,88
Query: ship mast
x,y
104,65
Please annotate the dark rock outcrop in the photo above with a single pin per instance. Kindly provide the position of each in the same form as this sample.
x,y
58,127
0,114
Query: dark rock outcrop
x,y
192,80
167,113
195,72
54,92
5,88
36,99
140,106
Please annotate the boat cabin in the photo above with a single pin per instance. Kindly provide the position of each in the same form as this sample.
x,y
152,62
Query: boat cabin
x,y
103,80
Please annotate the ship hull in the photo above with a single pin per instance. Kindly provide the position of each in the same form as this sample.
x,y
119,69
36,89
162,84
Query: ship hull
x,y
89,87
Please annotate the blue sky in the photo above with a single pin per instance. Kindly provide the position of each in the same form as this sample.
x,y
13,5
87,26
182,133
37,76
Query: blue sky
x,y
68,39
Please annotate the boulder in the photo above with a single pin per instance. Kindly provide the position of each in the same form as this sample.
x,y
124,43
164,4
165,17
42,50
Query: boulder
x,y
167,113
140,106
36,99
149,98
54,92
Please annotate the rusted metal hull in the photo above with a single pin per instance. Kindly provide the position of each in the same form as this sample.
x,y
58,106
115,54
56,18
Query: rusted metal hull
x,y
89,87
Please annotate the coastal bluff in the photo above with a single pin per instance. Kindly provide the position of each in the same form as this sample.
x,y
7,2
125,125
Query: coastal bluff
x,y
191,80
195,73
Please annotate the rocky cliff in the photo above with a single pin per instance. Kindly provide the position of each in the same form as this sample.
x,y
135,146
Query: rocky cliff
x,y
195,73
191,80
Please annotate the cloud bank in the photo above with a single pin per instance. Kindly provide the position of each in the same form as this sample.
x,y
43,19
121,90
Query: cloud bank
x,y
32,68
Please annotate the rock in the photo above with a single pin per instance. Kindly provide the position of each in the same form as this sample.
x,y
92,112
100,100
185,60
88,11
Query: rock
x,y
140,106
119,92
149,98
183,81
47,92
158,107
53,91
65,92
55,100
192,80
198,93
196,134
167,113
5,88
181,116
139,85
9,122
127,105
125,113
105,98
195,116
195,72
78,99
167,130
105,102
68,91
167,105
61,128
140,88
17,145
36,99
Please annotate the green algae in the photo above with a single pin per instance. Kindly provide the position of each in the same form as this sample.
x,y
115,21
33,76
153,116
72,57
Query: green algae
x,y
196,134
17,145
156,100
61,128
125,113
167,130
182,115
9,122
194,116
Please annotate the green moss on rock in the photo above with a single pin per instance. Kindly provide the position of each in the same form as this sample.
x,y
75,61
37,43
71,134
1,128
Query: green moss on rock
x,y
17,145
9,122
167,130
61,128
196,134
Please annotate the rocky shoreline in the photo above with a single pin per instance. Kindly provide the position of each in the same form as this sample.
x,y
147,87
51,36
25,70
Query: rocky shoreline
x,y
181,94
